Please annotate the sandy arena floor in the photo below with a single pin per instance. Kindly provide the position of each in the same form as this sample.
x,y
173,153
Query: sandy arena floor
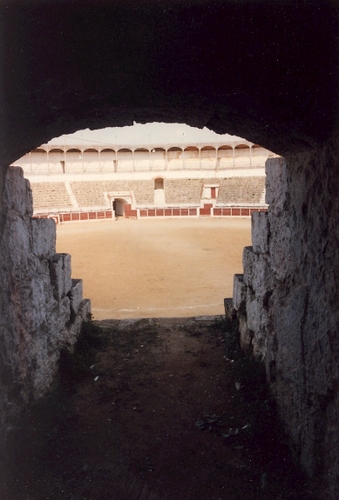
x,y
156,267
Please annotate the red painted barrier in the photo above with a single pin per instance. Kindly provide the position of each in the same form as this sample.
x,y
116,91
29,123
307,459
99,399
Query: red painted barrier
x,y
206,211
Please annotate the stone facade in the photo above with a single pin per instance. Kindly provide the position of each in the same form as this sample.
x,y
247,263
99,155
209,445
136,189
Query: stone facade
x,y
41,305
287,303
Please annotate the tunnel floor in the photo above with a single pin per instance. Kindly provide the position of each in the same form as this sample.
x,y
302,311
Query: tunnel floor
x,y
155,409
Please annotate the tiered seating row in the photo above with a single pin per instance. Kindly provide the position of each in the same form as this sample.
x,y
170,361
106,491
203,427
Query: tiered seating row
x,y
235,191
179,191
241,190
51,196
92,193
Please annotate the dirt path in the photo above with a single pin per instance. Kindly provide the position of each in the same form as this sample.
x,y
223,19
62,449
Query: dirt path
x,y
158,267
153,410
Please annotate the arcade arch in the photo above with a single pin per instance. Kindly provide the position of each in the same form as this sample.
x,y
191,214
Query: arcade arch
x,y
108,160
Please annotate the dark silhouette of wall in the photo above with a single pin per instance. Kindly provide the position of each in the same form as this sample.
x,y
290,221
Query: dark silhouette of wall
x,y
263,70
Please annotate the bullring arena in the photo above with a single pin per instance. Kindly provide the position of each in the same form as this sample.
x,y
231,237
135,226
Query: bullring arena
x,y
160,208
156,268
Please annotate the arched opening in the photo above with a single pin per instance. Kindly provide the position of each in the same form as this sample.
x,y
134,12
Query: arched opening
x,y
208,157
141,159
159,192
125,158
125,151
158,183
91,160
191,157
38,161
224,156
175,158
118,205
139,193
108,160
242,155
158,158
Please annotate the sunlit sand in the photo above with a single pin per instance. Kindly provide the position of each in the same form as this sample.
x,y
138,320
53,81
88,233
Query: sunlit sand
x,y
156,268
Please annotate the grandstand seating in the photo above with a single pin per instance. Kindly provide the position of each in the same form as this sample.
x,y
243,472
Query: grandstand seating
x,y
54,196
241,190
179,191
49,196
91,193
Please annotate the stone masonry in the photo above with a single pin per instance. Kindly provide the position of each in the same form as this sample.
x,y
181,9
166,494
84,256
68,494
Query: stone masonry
x,y
41,305
287,304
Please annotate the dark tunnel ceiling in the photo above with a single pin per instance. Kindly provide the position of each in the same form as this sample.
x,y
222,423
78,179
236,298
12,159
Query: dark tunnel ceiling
x,y
266,71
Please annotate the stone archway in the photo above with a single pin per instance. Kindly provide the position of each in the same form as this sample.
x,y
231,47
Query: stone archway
x,y
263,94
261,70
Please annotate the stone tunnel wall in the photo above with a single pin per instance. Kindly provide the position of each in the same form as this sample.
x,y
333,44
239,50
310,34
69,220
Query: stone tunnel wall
x,y
41,306
287,302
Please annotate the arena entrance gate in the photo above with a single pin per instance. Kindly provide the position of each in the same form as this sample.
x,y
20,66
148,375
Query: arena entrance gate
x,y
118,207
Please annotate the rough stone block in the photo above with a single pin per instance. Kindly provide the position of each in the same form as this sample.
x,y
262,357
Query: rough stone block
x,y
253,315
259,344
283,248
62,316
17,193
248,259
61,275
71,332
44,237
16,243
239,291
245,334
230,312
276,182
75,295
260,232
263,280
257,321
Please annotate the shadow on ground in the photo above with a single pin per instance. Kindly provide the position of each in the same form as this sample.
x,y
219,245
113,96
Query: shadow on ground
x,y
155,409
